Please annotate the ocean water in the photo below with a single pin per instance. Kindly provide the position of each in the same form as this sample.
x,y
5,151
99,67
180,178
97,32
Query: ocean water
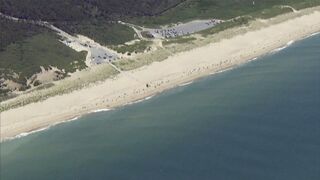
x,y
259,121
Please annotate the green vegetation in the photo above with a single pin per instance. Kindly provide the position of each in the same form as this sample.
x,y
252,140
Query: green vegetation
x,y
25,57
179,40
221,9
271,12
103,32
25,47
11,32
102,72
92,18
142,60
137,47
185,43
303,4
84,10
155,12
3,94
226,25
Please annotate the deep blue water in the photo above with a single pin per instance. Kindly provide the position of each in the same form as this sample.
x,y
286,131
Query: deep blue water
x,y
260,121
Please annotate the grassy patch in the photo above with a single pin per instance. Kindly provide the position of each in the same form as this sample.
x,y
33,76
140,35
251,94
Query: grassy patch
x,y
226,25
137,47
64,86
79,10
303,4
271,12
25,57
179,40
220,9
3,94
145,59
11,32
105,33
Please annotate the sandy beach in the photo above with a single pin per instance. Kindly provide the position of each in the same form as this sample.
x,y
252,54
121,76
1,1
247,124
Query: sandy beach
x,y
131,86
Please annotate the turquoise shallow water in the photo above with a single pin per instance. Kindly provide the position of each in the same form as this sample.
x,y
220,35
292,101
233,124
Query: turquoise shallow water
x,y
258,121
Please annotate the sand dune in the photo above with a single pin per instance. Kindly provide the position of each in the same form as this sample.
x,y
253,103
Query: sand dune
x,y
178,69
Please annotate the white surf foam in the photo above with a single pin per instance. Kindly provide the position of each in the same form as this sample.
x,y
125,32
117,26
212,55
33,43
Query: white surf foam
x,y
149,97
100,110
69,120
314,34
223,70
289,43
140,100
279,49
24,134
282,48
186,84
253,59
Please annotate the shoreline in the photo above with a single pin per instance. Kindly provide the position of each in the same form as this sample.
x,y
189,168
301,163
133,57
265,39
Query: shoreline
x,y
177,70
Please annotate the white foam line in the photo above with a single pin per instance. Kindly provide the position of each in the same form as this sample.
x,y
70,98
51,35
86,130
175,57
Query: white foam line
x,y
140,100
282,48
221,71
134,102
186,84
32,132
279,49
24,134
69,120
289,43
100,110
149,97
253,59
314,34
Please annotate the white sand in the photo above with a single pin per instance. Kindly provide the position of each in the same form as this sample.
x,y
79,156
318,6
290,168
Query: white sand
x,y
181,68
